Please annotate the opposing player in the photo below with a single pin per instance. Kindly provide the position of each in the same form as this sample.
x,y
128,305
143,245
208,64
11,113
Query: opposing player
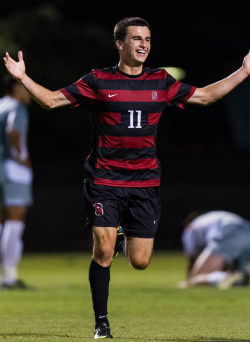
x,y
15,178
122,171
217,244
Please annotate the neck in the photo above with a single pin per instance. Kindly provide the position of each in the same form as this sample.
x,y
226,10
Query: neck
x,y
130,70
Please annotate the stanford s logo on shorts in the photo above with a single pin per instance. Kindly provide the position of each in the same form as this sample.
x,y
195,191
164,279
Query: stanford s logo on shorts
x,y
98,209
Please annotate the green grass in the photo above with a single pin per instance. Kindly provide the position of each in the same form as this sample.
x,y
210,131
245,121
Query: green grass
x,y
143,305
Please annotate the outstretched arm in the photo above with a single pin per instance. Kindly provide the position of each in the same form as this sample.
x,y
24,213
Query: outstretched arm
x,y
213,92
43,96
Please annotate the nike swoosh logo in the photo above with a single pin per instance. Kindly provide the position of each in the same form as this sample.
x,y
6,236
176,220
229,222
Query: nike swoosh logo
x,y
112,95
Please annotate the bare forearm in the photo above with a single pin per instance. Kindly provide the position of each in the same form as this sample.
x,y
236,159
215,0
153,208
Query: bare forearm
x,y
40,94
214,92
221,88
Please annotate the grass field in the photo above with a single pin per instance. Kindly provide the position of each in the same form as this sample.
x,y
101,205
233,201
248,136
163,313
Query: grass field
x,y
143,305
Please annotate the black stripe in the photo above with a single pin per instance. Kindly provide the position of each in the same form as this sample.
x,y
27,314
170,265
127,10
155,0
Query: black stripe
x,y
126,175
126,153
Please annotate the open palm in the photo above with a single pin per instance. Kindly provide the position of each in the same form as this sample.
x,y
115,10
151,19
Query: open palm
x,y
15,68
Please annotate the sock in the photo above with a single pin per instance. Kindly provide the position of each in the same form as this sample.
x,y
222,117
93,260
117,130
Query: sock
x,y
99,278
11,247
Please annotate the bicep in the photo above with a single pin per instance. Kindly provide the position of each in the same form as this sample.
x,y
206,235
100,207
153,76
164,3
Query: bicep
x,y
199,97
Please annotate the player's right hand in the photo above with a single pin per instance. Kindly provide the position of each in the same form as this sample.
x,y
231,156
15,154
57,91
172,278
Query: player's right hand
x,y
15,68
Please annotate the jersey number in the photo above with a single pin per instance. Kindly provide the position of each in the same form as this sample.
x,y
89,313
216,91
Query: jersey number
x,y
134,119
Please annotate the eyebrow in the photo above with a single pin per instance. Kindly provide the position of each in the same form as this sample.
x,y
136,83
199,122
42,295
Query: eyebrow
x,y
148,37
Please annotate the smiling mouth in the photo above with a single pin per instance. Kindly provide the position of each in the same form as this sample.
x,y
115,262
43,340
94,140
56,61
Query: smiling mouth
x,y
141,52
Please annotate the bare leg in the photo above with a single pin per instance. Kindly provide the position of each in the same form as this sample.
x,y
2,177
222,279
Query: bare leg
x,y
139,251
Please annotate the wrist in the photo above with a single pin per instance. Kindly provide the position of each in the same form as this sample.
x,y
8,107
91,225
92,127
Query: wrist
x,y
244,71
22,79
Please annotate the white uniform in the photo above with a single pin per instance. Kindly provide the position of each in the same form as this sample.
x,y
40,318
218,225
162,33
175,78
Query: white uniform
x,y
219,232
15,179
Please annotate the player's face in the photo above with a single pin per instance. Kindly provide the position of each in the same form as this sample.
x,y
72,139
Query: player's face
x,y
136,46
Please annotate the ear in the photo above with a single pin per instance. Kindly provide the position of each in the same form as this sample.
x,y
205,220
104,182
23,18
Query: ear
x,y
119,45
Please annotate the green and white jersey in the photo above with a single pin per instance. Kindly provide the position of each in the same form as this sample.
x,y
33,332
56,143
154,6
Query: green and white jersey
x,y
13,116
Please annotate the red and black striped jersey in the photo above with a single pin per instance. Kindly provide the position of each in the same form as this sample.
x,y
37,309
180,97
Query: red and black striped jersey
x,y
125,111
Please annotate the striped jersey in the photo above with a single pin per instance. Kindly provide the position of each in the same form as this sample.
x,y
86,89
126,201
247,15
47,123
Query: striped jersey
x,y
125,111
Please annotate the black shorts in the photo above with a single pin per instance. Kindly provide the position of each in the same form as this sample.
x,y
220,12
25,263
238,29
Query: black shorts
x,y
137,210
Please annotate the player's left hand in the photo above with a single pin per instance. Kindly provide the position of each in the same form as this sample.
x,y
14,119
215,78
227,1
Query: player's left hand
x,y
246,63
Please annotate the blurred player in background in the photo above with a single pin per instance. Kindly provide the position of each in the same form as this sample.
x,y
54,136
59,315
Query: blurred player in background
x,y
217,244
122,171
15,178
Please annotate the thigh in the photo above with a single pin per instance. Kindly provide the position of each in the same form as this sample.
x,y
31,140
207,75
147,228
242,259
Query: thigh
x,y
208,262
142,214
139,251
102,205
16,213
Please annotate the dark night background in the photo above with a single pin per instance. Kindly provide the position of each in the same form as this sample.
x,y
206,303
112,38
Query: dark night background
x,y
204,151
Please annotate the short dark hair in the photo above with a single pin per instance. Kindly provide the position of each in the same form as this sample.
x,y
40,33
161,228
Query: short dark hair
x,y
192,215
120,29
8,83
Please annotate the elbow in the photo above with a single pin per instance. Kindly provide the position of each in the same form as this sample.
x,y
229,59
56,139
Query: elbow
x,y
50,104
207,102
207,98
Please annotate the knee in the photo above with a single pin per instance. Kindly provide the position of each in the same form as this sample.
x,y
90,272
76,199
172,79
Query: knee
x,y
103,254
139,264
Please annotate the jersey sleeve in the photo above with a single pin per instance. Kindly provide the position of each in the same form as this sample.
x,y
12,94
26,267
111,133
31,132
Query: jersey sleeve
x,y
83,91
189,242
18,120
178,92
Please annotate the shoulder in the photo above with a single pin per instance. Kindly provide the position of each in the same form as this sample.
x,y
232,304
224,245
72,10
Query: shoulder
x,y
104,72
8,103
156,72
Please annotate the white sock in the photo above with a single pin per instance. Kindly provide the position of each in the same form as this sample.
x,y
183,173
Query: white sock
x,y
11,247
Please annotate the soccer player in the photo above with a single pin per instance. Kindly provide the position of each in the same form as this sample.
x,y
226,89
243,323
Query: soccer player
x,y
122,171
217,244
15,178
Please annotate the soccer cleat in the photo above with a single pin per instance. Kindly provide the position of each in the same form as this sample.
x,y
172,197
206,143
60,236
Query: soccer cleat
x,y
233,279
18,285
119,240
102,331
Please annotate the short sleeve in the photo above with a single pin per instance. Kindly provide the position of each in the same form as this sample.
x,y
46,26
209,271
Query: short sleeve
x,y
83,91
189,244
178,92
18,120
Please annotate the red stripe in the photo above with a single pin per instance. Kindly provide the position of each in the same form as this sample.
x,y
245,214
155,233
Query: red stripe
x,y
110,118
129,164
129,184
173,90
84,89
104,75
153,118
132,95
125,142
